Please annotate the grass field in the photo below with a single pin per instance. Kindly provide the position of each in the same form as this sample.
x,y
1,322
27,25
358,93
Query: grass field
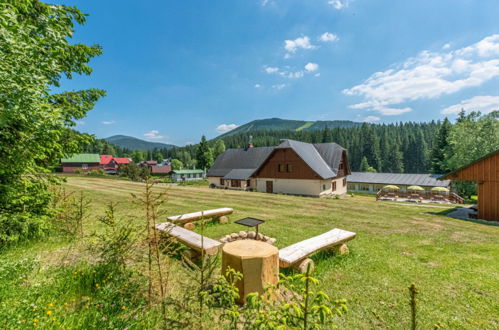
x,y
454,263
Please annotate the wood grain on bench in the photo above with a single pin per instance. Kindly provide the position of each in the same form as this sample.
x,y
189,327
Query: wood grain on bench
x,y
189,217
190,238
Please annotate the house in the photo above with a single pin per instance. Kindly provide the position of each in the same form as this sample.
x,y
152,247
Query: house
x,y
155,168
371,183
485,172
84,162
292,167
187,175
110,164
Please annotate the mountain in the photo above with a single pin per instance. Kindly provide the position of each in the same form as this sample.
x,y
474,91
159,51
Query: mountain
x,y
277,124
132,143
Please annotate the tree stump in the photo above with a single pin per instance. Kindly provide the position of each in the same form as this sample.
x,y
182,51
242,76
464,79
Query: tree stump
x,y
257,261
303,265
340,249
190,226
223,219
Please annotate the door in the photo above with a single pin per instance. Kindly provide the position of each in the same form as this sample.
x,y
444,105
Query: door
x,y
270,186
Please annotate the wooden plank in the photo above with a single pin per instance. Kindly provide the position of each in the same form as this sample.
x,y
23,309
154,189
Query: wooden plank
x,y
189,217
296,252
190,238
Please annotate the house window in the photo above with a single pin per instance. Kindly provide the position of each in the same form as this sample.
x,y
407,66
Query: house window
x,y
235,183
344,182
342,166
248,183
351,187
364,187
290,168
334,186
323,187
84,166
282,168
222,182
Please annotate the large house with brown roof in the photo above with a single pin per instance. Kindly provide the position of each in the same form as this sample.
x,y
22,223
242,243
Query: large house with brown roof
x,y
292,167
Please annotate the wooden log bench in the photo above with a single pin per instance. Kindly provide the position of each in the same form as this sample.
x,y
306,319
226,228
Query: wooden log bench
x,y
296,255
219,215
195,241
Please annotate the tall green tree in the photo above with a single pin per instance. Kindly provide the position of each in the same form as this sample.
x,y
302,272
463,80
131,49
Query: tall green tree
x,y
177,164
138,156
365,167
35,124
440,148
218,148
204,154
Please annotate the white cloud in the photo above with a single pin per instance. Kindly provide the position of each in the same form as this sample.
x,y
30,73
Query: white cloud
x,y
303,42
339,4
311,67
271,70
446,46
370,119
297,74
279,86
108,122
429,75
258,85
484,104
328,37
153,134
224,128
317,74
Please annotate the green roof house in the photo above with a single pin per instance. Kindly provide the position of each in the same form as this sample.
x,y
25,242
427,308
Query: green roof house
x,y
187,175
85,162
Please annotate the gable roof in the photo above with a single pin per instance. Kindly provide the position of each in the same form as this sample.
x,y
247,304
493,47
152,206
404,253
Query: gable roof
x,y
122,160
82,158
425,180
240,164
105,159
249,158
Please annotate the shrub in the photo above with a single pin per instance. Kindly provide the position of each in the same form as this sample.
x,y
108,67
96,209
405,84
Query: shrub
x,y
99,172
78,171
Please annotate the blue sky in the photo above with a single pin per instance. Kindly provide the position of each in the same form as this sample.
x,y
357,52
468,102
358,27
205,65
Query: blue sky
x,y
175,70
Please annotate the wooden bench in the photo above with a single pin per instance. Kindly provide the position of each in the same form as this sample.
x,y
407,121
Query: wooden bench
x,y
296,255
216,214
190,238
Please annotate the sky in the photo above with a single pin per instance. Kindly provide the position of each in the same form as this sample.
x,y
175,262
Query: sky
x,y
175,70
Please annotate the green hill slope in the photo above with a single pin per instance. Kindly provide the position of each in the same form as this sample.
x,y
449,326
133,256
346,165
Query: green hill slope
x,y
273,124
132,143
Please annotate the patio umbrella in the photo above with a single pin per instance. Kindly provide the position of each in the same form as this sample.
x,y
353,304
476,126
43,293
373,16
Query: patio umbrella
x,y
415,188
439,189
391,187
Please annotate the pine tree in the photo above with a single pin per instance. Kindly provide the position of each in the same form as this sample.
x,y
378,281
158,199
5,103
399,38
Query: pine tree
x,y
440,148
204,154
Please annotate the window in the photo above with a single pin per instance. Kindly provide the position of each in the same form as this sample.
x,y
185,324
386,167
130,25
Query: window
x,y
351,187
290,168
344,182
342,166
323,187
248,183
282,168
364,187
222,182
334,186
84,166
235,183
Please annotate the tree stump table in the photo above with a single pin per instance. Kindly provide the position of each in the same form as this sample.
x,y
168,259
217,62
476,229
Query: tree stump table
x,y
257,261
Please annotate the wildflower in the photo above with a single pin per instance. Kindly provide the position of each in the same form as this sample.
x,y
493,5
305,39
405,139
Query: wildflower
x,y
35,320
51,305
96,285
123,307
103,318
49,312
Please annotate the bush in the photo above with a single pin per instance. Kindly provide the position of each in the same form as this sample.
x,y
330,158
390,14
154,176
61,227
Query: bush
x,y
99,172
78,171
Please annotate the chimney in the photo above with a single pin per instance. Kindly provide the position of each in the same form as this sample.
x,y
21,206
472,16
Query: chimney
x,y
250,143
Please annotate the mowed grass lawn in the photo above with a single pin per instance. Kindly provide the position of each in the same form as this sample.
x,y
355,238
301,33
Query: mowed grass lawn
x,y
453,263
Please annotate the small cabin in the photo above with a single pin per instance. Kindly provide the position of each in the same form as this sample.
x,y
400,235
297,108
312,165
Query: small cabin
x,y
187,175
83,162
485,172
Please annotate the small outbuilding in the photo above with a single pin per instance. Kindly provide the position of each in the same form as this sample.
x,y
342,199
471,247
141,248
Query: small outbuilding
x,y
485,172
187,175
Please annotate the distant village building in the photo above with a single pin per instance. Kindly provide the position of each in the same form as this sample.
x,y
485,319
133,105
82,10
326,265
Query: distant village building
x,y
292,167
187,175
111,164
371,183
83,162
156,168
485,172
